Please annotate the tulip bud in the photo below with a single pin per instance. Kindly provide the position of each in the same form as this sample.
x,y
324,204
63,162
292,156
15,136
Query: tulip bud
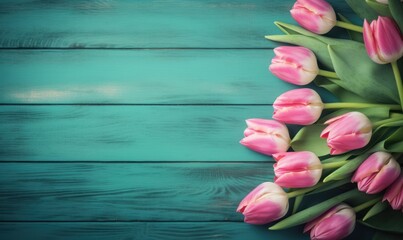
x,y
347,132
316,16
266,136
394,194
336,223
266,203
296,65
376,173
301,106
297,169
383,40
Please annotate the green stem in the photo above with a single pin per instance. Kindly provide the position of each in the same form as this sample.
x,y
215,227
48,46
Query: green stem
x,y
327,74
309,213
349,26
398,82
359,105
389,120
303,191
367,204
333,165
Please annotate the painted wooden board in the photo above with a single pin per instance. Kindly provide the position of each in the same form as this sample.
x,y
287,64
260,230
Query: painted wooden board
x,y
138,77
155,230
127,191
127,133
142,24
144,230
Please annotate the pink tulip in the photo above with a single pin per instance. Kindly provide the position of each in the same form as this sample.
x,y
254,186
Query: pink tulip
x,y
266,136
347,132
301,106
297,169
266,203
296,65
394,194
336,223
316,16
383,40
376,173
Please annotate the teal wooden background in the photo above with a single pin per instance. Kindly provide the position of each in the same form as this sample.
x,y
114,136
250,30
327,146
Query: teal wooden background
x,y
121,119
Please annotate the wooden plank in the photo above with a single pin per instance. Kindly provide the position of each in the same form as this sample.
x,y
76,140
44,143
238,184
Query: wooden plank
x,y
139,77
144,230
153,230
127,191
143,24
127,133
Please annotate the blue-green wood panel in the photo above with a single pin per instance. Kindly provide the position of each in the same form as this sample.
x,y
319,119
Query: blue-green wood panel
x,y
144,230
121,119
154,230
142,24
138,77
127,192
126,133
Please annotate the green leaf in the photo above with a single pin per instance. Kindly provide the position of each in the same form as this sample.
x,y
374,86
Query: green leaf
x,y
342,94
396,147
394,142
359,74
329,186
388,220
318,47
314,211
297,203
396,9
362,9
308,139
347,169
380,8
374,114
293,29
376,209
380,235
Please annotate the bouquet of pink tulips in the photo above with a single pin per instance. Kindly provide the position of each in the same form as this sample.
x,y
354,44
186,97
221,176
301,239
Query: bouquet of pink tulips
x,y
351,149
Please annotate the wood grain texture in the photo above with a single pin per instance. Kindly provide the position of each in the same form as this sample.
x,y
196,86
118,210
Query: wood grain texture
x,y
144,230
143,24
139,77
127,191
156,230
127,133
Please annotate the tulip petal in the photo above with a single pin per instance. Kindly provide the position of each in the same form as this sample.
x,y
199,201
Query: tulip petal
x,y
300,179
336,223
315,15
291,74
394,194
266,126
266,144
390,42
345,143
383,40
370,43
386,176
371,165
301,106
336,227
266,203
296,65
